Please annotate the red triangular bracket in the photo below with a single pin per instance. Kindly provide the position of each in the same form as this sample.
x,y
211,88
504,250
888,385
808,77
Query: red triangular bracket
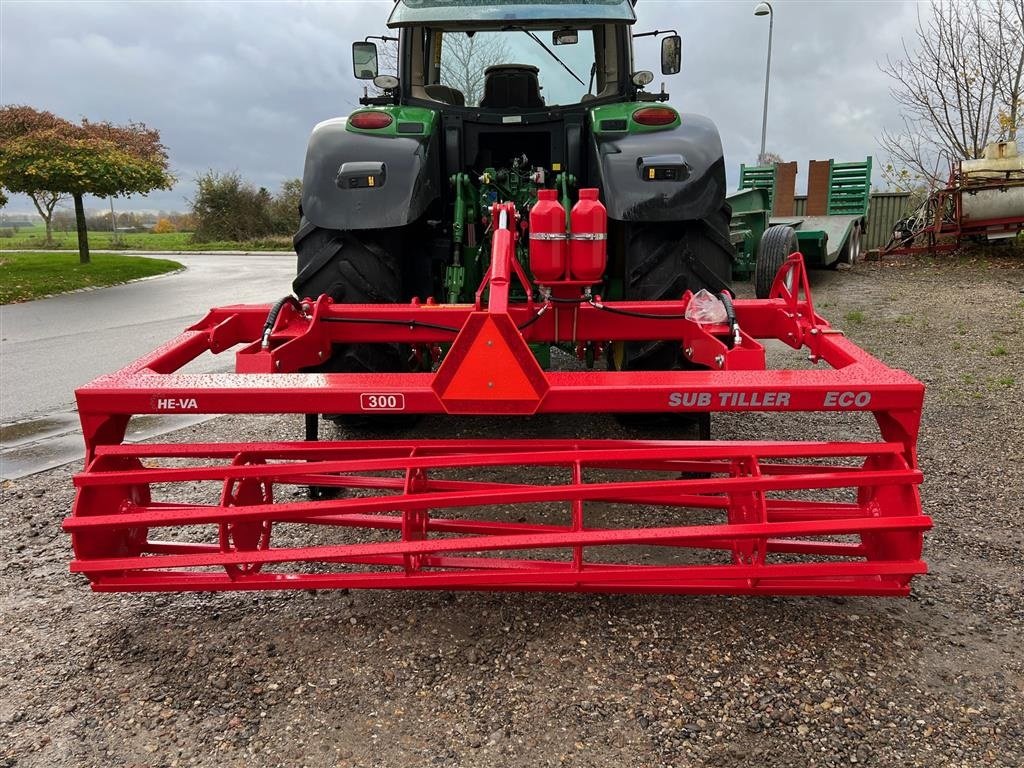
x,y
490,370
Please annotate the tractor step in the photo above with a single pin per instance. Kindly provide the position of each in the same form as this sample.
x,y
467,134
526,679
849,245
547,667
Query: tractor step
x,y
777,518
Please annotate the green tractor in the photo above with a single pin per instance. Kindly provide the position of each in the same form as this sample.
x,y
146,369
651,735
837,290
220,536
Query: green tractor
x,y
492,102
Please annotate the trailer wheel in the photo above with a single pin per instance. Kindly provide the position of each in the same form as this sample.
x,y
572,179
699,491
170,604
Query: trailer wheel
x,y
852,246
353,267
662,261
777,244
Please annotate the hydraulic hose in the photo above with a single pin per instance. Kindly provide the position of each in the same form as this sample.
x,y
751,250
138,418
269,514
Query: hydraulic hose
x,y
275,310
730,316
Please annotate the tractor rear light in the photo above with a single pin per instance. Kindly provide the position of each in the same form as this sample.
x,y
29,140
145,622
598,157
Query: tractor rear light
x,y
655,116
371,120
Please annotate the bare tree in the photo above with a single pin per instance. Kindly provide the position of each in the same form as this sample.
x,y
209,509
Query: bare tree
x,y
1006,17
464,60
953,83
388,56
45,202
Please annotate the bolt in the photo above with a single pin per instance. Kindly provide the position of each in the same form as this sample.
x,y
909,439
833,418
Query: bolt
x,y
490,343
720,360
277,364
320,354
490,383
689,351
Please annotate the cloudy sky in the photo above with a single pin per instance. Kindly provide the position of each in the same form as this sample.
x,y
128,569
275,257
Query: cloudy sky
x,y
239,85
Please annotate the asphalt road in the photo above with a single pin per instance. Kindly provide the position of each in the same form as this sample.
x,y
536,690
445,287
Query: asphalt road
x,y
51,346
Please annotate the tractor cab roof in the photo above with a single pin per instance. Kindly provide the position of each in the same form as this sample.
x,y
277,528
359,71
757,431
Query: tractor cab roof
x,y
484,14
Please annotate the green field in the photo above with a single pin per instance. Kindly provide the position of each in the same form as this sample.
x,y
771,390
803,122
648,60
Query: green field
x,y
35,237
26,276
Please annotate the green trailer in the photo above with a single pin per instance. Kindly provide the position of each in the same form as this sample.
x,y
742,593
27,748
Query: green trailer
x,y
750,212
830,231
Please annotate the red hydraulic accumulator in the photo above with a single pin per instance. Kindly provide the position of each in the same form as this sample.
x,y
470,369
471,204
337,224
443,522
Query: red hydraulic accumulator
x,y
548,241
579,256
588,253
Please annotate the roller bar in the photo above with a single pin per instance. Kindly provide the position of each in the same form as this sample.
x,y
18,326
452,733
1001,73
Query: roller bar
x,y
752,523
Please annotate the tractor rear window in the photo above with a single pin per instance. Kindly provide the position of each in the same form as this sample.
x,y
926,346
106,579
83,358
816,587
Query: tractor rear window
x,y
512,70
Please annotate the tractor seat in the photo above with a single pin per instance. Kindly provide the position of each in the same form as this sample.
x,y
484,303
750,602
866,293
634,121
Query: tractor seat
x,y
446,94
511,86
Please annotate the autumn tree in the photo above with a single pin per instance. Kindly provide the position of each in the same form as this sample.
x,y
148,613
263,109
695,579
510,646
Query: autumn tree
x,y
959,84
40,154
17,122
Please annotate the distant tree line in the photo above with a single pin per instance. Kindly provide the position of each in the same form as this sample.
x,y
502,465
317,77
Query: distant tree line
x,y
225,208
126,221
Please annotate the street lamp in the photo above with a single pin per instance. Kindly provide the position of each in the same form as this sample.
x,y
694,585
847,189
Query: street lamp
x,y
765,9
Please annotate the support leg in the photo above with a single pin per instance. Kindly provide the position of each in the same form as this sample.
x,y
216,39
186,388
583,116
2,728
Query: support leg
x,y
318,492
312,427
704,426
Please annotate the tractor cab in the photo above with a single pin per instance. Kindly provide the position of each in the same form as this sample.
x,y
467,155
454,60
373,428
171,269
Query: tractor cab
x,y
496,56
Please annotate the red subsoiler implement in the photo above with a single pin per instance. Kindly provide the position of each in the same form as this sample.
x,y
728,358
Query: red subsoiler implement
x,y
767,517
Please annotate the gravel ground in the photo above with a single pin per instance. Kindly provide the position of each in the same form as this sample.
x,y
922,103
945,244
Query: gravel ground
x,y
436,679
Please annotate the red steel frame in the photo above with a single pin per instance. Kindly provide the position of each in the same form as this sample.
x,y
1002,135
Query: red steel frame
x,y
766,517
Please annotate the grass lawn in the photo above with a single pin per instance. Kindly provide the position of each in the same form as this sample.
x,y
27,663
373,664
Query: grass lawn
x,y
35,237
26,276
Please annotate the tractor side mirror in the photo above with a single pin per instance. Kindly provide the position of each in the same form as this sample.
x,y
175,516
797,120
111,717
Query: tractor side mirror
x,y
565,37
671,55
364,60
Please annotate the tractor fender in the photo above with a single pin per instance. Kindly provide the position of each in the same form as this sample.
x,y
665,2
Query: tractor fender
x,y
405,174
687,160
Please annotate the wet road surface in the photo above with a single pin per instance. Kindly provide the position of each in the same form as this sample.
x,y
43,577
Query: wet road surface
x,y
51,346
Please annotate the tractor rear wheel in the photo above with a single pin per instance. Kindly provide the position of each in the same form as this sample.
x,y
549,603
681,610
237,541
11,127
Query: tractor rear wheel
x,y
355,267
663,260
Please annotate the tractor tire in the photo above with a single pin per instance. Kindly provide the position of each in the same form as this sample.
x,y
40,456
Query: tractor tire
x,y
354,267
777,244
662,261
